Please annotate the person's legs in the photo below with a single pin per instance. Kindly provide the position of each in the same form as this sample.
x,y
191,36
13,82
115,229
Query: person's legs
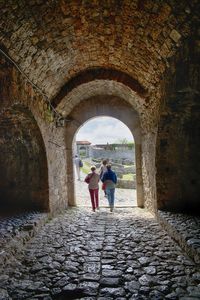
x,y
92,199
104,189
108,196
78,172
112,198
96,194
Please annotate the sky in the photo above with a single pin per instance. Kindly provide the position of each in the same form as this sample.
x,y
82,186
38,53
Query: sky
x,y
103,130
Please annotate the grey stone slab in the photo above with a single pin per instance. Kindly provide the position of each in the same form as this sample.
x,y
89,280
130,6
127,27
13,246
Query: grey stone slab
x,y
110,282
132,286
70,287
144,261
146,280
107,292
111,273
150,270
4,295
62,282
92,267
90,277
89,288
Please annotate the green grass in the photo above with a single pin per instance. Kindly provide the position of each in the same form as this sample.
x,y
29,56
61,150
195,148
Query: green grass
x,y
128,176
86,167
128,166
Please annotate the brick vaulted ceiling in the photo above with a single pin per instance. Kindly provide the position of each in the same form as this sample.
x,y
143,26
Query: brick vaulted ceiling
x,y
54,40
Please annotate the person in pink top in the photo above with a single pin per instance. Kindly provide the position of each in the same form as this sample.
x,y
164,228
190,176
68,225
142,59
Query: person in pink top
x,y
93,185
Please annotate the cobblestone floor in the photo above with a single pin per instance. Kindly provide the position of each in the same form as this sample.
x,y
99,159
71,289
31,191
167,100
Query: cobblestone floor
x,y
16,230
185,229
102,255
11,225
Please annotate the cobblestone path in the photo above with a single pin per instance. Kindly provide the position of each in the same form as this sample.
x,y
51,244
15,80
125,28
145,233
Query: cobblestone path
x,y
102,255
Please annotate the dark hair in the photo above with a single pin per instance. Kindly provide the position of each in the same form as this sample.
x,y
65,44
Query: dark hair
x,y
108,166
104,162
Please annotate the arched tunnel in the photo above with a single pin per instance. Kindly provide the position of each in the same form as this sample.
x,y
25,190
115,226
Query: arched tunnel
x,y
63,62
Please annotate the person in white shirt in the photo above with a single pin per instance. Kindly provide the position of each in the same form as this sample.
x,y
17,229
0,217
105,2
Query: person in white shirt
x,y
77,165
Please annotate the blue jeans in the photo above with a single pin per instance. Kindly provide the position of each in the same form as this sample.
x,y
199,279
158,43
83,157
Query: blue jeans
x,y
111,196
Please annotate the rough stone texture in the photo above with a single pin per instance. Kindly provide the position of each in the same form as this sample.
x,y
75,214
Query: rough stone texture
x,y
134,60
15,92
126,184
57,40
112,154
185,229
86,255
178,155
54,37
149,171
109,88
16,231
23,165
74,51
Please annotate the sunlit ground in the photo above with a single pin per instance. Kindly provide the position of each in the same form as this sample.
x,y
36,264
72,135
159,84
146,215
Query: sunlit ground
x,y
123,197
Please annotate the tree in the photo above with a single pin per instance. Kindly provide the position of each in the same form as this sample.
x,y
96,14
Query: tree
x,y
122,141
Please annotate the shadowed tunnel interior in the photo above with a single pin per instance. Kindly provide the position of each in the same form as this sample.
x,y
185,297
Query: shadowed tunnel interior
x,y
178,143
23,166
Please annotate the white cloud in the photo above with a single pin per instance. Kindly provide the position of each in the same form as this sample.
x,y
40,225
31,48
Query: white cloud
x,y
102,130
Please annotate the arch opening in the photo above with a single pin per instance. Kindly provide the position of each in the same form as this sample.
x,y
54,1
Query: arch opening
x,y
23,163
101,74
106,138
104,106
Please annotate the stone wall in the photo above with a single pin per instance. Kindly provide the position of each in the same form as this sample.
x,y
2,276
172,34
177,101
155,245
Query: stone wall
x,y
23,164
81,50
48,38
149,170
33,147
126,184
82,150
178,155
112,154
57,168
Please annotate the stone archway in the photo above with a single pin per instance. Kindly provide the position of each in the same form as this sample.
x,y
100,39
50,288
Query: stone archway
x,y
100,106
23,163
110,85
82,151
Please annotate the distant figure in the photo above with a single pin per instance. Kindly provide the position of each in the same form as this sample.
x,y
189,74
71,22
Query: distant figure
x,y
78,165
110,180
93,185
103,169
